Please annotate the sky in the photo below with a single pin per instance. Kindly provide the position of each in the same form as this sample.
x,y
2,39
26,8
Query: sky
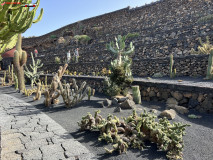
x,y
59,13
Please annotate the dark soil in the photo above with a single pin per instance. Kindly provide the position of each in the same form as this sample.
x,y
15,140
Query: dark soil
x,y
198,139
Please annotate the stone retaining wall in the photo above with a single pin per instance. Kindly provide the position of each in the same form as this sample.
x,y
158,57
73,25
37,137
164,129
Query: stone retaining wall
x,y
194,65
193,97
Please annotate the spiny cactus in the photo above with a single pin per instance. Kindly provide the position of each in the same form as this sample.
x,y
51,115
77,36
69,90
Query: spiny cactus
x,y
19,60
38,92
52,94
14,20
34,74
204,48
135,130
172,71
136,94
209,74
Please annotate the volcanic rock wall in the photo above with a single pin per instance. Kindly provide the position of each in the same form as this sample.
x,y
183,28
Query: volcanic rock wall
x,y
164,27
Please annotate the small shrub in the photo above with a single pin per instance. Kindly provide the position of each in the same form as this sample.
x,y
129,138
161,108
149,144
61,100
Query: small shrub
x,y
57,60
132,35
205,18
53,36
83,39
158,75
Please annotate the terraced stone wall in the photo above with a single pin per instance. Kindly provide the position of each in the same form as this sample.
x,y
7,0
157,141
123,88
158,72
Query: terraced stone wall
x,y
192,65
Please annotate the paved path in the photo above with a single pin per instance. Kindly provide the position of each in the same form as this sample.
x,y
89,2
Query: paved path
x,y
27,134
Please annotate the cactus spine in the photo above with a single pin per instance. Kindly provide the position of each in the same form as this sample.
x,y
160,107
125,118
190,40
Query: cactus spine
x,y
209,68
136,94
172,73
34,74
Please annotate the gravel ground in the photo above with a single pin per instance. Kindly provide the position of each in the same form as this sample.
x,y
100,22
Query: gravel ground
x,y
198,139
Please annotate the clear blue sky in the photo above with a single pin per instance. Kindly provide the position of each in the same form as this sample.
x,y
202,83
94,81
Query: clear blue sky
x,y
59,13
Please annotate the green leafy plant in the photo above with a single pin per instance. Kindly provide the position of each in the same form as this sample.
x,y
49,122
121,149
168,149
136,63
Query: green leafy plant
x,y
193,116
205,18
53,36
83,39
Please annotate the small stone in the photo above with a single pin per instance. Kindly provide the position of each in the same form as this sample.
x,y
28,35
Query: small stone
x,y
171,101
187,95
107,103
117,109
153,111
169,114
128,104
177,95
114,101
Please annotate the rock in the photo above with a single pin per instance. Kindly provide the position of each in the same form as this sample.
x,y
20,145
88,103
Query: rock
x,y
155,107
158,94
165,95
173,34
207,104
169,114
183,101
177,95
194,96
171,101
122,99
181,110
107,103
118,97
187,95
153,111
129,96
117,109
200,98
127,104
192,103
114,101
61,40
152,94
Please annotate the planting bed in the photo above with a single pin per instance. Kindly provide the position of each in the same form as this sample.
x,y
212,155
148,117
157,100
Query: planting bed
x,y
198,139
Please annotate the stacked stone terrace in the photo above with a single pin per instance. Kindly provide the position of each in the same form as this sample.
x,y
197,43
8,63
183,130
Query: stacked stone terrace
x,y
164,27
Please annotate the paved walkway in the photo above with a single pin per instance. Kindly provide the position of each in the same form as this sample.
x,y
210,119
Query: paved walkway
x,y
27,134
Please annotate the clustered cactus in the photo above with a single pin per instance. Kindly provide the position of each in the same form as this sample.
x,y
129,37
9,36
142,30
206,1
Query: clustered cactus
x,y
34,74
121,76
134,130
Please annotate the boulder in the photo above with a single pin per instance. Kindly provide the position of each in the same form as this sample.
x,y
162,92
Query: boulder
x,y
171,101
181,109
127,104
169,114
122,99
107,103
129,96
114,101
117,109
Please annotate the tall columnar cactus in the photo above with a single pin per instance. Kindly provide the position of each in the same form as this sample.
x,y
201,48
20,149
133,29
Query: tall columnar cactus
x,y
136,94
172,71
19,60
15,19
209,74
34,74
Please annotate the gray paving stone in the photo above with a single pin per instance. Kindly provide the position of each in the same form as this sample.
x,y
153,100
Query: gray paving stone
x,y
36,144
34,154
36,136
52,151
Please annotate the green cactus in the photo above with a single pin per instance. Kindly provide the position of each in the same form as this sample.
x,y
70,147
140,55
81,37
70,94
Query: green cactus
x,y
89,92
16,81
172,71
45,81
136,94
34,74
14,20
209,74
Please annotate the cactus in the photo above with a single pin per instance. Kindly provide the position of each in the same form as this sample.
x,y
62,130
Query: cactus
x,y
136,94
45,80
135,130
172,73
204,48
14,20
16,81
19,60
38,92
34,74
209,74
53,93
